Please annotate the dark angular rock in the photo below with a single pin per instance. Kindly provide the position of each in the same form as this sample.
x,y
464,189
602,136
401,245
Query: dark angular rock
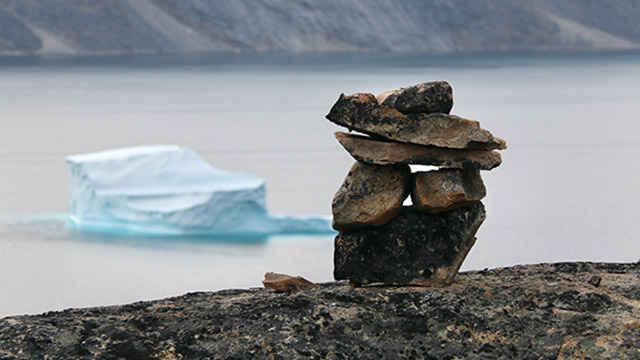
x,y
368,150
595,280
429,97
415,248
371,195
361,112
446,189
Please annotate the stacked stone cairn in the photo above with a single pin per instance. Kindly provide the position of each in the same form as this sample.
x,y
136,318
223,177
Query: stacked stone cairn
x,y
380,241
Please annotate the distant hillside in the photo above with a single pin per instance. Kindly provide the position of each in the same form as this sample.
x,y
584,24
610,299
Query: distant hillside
x,y
438,26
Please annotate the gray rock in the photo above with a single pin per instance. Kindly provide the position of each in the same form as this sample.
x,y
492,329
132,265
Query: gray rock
x,y
446,189
415,248
520,312
429,97
368,150
361,112
371,195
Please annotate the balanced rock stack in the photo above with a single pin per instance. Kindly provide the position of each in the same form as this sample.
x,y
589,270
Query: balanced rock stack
x,y
382,241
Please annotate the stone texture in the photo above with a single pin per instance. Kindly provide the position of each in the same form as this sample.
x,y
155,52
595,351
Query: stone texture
x,y
429,97
547,311
414,248
361,112
371,195
368,150
446,189
287,283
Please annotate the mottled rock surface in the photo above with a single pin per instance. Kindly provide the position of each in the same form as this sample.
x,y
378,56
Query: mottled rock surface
x,y
287,283
368,150
414,248
446,189
547,311
361,112
429,97
371,195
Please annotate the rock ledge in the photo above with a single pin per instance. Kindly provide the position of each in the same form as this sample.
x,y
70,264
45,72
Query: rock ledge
x,y
547,311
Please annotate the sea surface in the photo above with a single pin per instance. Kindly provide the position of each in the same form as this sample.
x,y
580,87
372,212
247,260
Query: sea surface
x,y
568,188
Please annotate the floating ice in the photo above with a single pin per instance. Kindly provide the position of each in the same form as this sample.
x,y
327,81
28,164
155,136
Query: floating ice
x,y
170,190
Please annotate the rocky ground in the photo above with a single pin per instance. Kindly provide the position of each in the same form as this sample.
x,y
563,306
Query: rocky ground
x,y
548,311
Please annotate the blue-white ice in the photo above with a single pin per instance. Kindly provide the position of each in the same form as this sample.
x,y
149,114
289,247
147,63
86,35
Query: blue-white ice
x,y
170,190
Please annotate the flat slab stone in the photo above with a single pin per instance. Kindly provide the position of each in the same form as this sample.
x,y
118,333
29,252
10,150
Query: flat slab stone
x,y
415,248
368,150
371,195
446,189
287,283
361,112
429,97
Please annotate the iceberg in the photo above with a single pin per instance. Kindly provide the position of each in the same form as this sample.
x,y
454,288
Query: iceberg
x,y
171,190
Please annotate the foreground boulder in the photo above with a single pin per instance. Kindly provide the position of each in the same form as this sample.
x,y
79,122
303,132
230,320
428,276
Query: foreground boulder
x,y
368,150
429,97
361,112
371,195
415,248
446,189
548,311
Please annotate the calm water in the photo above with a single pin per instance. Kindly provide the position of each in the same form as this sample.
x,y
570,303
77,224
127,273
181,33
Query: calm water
x,y
567,190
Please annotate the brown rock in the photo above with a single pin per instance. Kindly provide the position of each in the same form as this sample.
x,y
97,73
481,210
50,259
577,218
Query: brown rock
x,y
365,149
446,189
429,97
361,112
286,283
371,195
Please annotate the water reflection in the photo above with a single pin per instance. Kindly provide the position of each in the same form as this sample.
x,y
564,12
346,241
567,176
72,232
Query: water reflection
x,y
48,266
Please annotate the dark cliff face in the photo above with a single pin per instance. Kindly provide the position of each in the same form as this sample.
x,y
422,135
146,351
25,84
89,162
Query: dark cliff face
x,y
442,26
16,36
549,311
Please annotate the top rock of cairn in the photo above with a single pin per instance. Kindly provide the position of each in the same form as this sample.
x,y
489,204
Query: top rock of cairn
x,y
424,244
362,112
430,97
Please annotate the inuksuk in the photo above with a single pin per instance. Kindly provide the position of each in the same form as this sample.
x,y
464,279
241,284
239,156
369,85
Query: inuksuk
x,y
382,241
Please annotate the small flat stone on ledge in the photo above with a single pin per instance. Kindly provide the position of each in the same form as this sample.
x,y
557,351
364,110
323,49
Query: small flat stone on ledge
x,y
287,283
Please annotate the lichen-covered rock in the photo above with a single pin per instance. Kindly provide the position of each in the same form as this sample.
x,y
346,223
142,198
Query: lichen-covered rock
x,y
446,189
414,248
287,283
368,150
547,311
371,195
361,112
429,97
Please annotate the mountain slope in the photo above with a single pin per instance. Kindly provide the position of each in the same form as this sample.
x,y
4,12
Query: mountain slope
x,y
436,26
